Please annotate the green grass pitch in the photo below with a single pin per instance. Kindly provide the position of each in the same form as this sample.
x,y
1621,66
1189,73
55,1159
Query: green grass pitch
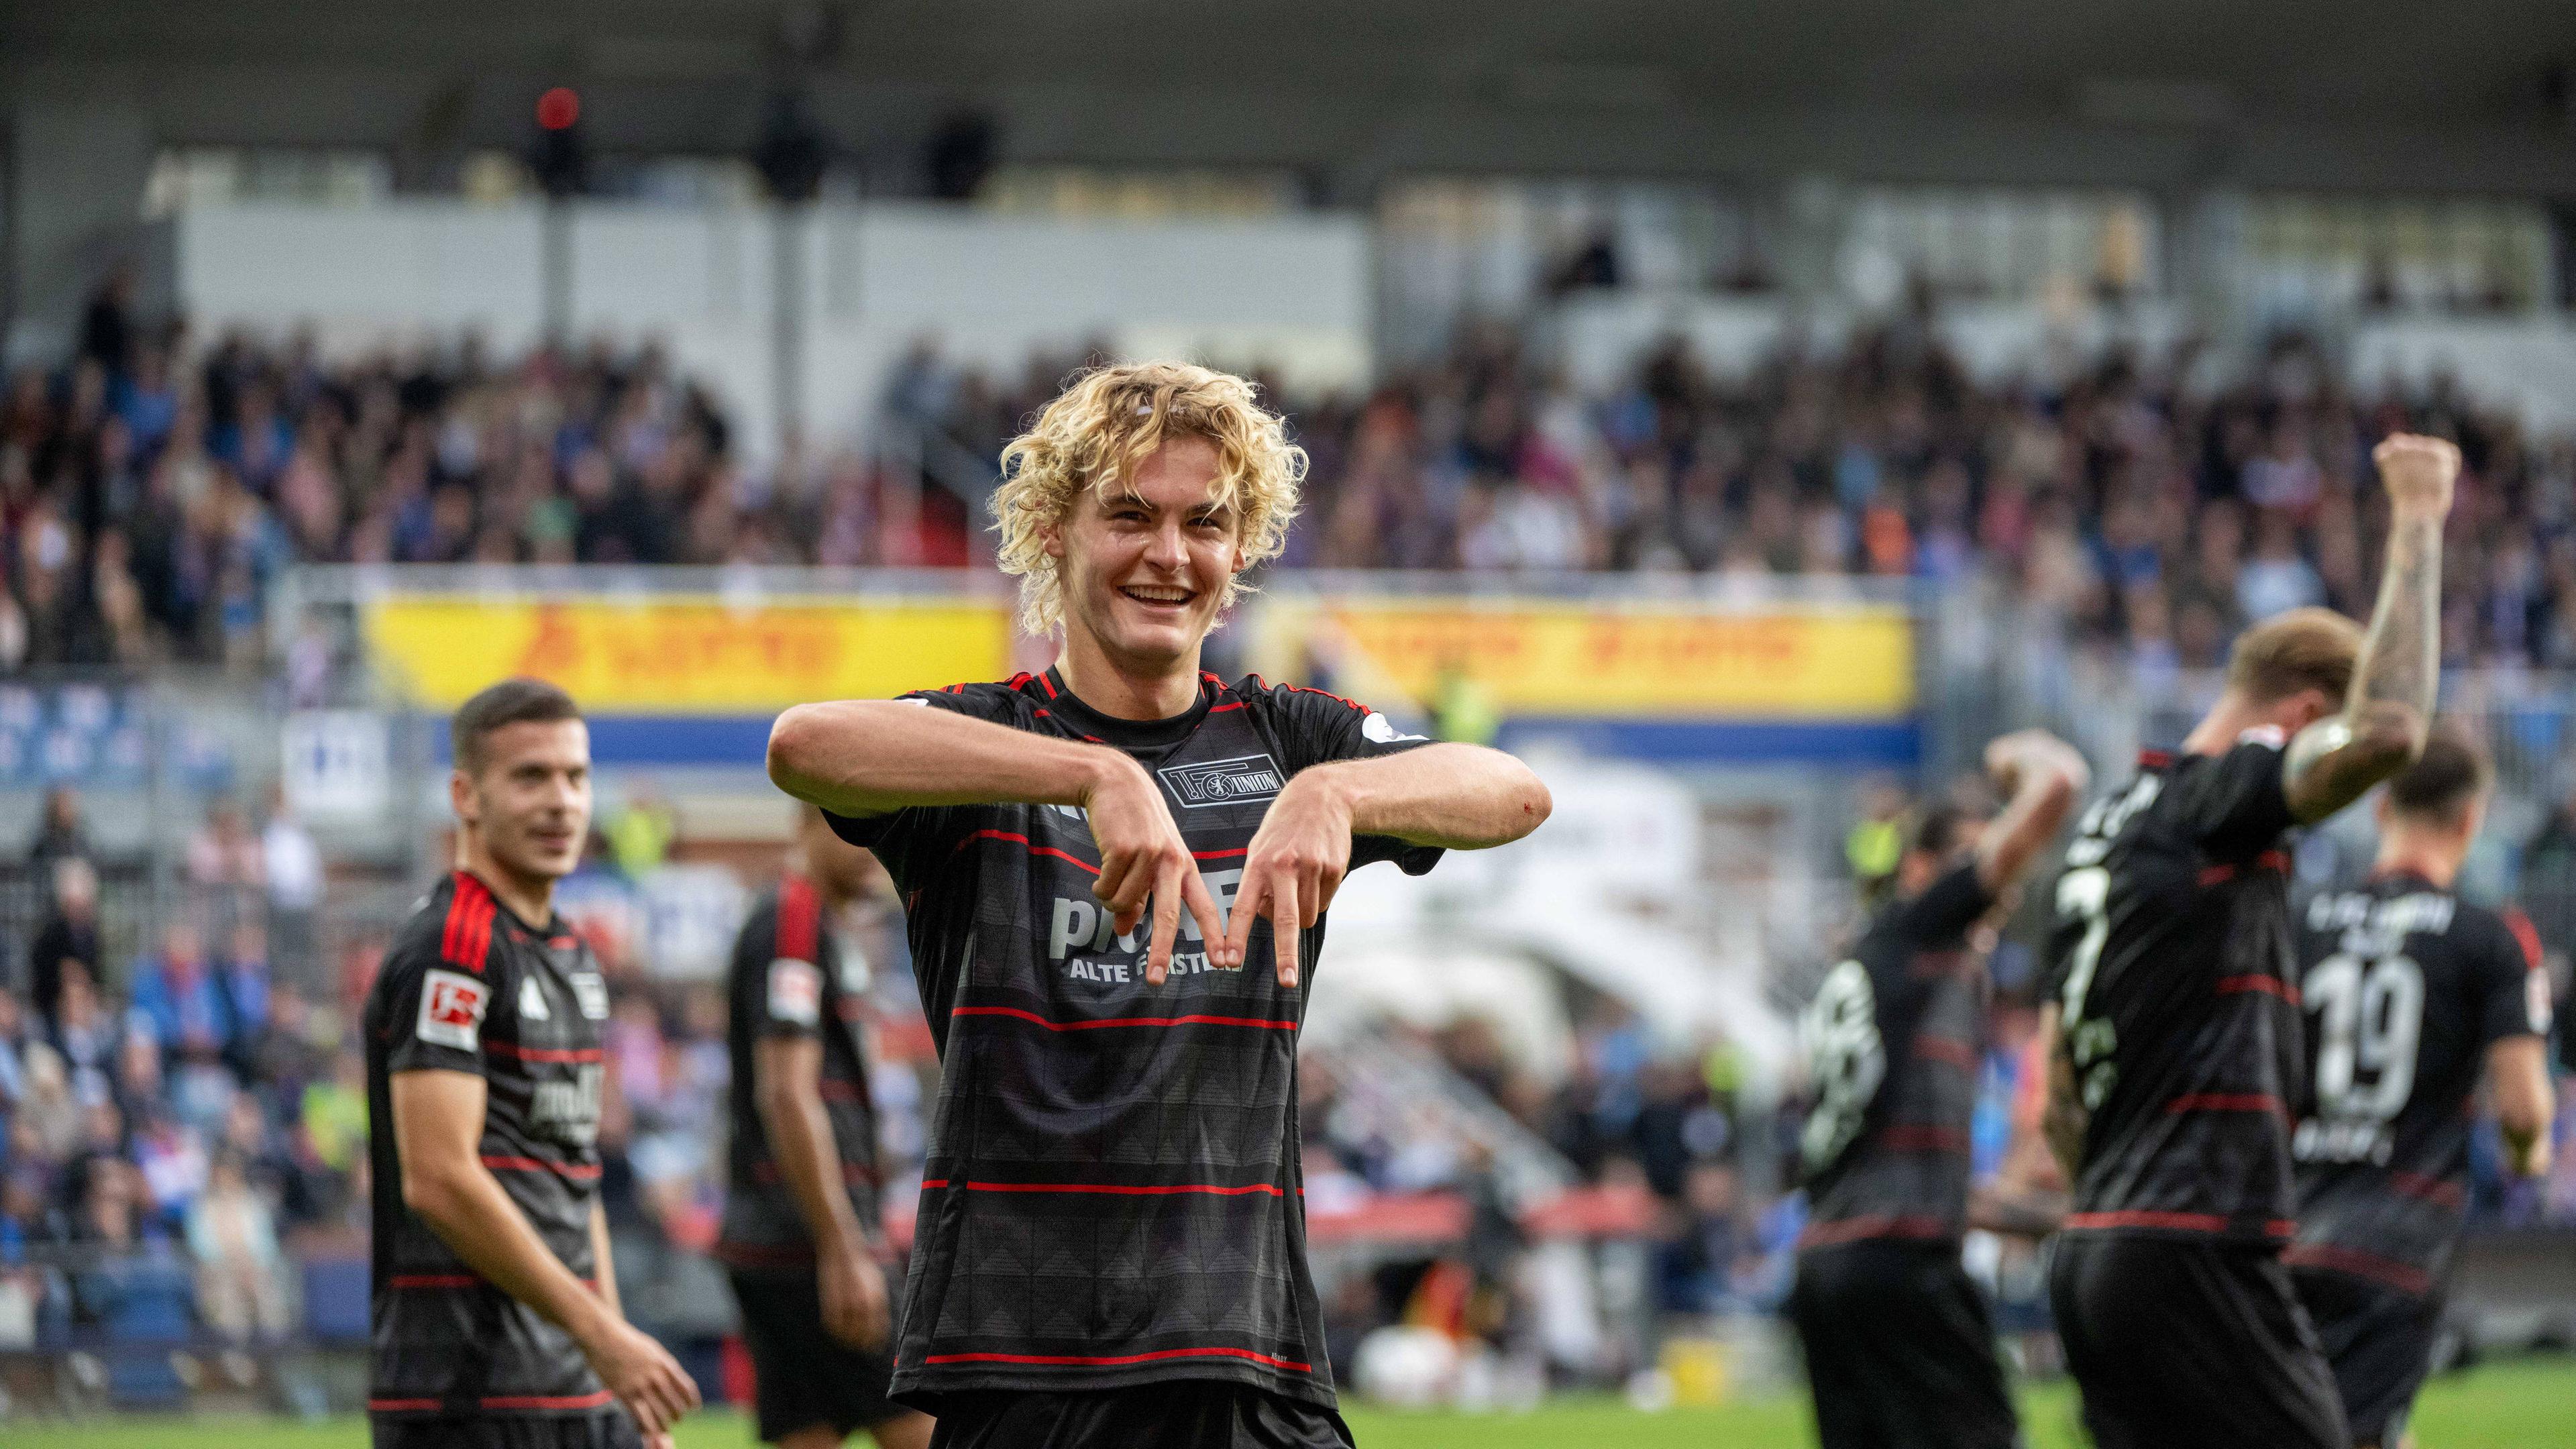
x,y
2523,1404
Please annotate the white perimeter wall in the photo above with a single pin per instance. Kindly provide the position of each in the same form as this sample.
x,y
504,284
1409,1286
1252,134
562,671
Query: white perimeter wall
x,y
1290,295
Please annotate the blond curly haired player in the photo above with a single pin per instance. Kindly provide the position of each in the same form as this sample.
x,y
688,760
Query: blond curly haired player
x,y
1111,1242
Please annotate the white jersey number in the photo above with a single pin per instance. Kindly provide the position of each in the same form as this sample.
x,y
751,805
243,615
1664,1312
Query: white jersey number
x,y
1845,1060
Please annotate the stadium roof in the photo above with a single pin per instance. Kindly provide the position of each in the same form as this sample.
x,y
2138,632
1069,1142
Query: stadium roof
x,y
2467,96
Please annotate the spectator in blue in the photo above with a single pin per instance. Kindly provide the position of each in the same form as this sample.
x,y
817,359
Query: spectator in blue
x,y
177,991
242,981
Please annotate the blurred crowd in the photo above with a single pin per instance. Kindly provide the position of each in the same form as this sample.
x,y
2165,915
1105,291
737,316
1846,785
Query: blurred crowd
x,y
152,485
2149,510
183,1127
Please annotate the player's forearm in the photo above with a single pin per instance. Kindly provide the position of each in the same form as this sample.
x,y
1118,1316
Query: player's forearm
x,y
603,1265
2519,1068
870,757
2062,1115
2389,707
1460,797
466,1206
809,1159
2048,776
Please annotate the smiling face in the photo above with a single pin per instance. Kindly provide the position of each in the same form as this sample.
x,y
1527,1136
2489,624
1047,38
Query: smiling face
x,y
1145,565
528,800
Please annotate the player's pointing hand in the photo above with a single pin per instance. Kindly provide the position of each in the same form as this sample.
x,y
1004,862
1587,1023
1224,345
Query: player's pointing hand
x,y
1142,857
1295,864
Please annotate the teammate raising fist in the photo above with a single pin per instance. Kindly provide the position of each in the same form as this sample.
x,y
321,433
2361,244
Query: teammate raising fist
x,y
2175,1038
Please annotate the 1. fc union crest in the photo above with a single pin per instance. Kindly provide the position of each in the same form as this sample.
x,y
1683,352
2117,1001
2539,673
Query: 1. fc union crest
x,y
1210,783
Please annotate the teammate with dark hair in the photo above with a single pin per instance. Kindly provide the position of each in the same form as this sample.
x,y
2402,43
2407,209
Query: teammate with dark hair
x,y
493,1305
2409,991
1899,1346
802,1235
2174,1043
1111,1246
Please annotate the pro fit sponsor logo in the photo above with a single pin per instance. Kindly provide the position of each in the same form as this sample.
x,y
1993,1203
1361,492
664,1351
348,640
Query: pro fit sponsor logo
x,y
1211,783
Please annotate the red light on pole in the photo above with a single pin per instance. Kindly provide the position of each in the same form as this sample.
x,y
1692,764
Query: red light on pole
x,y
557,109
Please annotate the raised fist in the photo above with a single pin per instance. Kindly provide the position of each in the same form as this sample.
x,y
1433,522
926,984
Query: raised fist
x,y
2418,471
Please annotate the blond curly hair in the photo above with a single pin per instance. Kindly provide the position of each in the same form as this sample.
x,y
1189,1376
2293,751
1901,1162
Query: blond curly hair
x,y
1109,421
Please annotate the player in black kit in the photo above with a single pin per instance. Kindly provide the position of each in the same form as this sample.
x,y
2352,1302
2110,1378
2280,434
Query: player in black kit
x,y
2409,991
2175,1045
1900,1350
1111,1246
493,1306
801,1228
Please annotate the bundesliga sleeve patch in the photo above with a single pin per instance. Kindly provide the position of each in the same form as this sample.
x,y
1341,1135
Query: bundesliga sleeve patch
x,y
2535,1000
451,1010
795,991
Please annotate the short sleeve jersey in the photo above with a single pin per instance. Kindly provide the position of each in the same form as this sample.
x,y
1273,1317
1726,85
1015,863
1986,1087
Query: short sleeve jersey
x,y
1112,1194
792,977
468,987
2171,964
2404,986
1894,1048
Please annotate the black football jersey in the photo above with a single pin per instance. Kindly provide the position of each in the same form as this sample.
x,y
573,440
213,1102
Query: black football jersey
x,y
1894,1043
1112,1194
2405,986
2171,963
469,987
792,977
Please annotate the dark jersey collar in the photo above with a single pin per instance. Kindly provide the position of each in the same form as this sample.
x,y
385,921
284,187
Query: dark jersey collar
x,y
553,927
1133,734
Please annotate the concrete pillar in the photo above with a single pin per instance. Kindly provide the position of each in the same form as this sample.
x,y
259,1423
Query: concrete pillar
x,y
80,154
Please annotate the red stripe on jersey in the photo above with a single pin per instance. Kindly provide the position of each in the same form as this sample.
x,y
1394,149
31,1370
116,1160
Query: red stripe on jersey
x,y
1018,839
1876,1225
2223,1102
432,1280
928,1183
572,1170
1076,1360
1113,1189
543,1054
1220,854
2273,986
1941,1049
2430,1189
2154,759
2404,1277
466,939
1048,685
2188,1222
1193,1020
548,1401
1222,708
2217,875
2525,934
800,918
1923,1137
402,1406
2272,860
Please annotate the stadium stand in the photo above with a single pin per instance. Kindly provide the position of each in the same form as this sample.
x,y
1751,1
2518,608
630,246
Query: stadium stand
x,y
182,1185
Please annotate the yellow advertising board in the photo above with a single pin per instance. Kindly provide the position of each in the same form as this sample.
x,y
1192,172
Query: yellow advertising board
x,y
1623,659
686,654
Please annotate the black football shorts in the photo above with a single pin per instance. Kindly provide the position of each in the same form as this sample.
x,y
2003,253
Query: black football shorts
x,y
2182,1342
805,1376
1180,1414
610,1428
2379,1342
1900,1349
